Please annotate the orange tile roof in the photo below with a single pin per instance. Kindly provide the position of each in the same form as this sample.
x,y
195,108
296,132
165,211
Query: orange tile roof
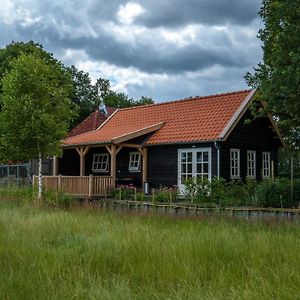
x,y
92,122
188,120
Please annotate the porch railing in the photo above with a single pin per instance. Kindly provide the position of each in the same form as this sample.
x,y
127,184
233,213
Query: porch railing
x,y
78,185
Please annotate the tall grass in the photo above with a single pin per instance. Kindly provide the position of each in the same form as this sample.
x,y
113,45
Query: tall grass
x,y
86,254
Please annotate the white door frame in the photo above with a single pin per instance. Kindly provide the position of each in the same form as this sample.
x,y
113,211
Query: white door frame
x,y
194,163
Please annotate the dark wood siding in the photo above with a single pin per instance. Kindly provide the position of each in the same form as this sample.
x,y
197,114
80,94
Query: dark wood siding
x,y
257,136
123,174
163,163
69,163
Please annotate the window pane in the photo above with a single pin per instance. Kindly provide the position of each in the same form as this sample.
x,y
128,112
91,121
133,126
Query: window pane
x,y
183,157
199,168
189,156
205,156
189,168
199,157
205,168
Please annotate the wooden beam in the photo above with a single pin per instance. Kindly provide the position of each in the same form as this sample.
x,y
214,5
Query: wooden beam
x,y
82,152
131,145
108,148
55,166
134,134
119,148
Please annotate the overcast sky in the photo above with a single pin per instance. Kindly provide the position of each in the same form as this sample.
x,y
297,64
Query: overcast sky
x,y
165,49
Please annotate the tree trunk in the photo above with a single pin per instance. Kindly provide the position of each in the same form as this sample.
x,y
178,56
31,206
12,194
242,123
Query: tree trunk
x,y
40,186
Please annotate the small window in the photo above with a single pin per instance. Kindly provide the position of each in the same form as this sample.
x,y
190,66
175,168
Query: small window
x,y
234,163
100,163
266,164
251,164
134,162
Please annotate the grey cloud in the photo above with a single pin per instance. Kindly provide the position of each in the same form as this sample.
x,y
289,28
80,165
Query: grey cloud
x,y
174,13
232,48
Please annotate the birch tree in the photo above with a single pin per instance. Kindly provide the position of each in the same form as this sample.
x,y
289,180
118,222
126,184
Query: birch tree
x,y
36,110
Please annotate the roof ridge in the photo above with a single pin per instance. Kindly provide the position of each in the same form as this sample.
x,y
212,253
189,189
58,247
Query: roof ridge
x,y
187,99
84,121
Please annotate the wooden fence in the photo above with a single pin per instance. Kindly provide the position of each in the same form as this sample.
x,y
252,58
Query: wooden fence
x,y
86,186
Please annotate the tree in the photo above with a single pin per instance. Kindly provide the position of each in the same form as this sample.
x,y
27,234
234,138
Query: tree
x,y
15,49
36,110
278,76
85,95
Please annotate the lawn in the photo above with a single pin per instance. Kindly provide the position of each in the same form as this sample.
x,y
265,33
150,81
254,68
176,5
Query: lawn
x,y
88,254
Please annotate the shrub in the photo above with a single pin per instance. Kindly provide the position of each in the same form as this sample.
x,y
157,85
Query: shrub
x,y
278,193
58,199
127,192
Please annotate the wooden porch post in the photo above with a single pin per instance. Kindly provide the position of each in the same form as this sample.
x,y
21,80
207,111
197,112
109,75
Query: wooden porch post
x,y
113,161
55,166
82,152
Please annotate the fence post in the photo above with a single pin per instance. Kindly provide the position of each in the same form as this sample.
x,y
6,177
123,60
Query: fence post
x,y
59,182
153,192
135,194
91,181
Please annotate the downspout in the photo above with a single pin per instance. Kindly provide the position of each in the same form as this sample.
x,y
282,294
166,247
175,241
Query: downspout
x,y
217,146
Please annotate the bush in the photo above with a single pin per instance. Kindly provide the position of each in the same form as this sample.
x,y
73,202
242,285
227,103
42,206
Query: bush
x,y
127,192
58,199
278,193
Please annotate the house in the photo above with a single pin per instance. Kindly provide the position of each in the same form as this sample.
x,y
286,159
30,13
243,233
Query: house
x,y
163,144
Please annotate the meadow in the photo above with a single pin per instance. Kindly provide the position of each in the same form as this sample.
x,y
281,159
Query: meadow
x,y
83,253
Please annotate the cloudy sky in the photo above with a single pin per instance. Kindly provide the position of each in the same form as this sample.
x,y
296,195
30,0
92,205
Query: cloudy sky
x,y
165,49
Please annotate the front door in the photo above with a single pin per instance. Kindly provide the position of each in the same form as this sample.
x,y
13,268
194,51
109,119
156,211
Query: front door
x,y
193,163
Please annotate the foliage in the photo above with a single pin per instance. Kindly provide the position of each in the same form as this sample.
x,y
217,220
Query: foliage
x,y
84,94
58,199
79,254
36,109
285,160
126,192
267,193
278,193
278,77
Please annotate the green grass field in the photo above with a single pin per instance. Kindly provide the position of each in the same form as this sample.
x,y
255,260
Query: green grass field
x,y
88,254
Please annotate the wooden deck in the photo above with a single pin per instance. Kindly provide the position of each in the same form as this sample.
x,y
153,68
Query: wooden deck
x,y
85,186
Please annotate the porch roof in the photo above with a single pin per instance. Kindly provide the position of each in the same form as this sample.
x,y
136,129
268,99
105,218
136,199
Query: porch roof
x,y
189,120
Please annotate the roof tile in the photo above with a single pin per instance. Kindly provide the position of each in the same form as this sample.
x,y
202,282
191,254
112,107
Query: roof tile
x,y
187,120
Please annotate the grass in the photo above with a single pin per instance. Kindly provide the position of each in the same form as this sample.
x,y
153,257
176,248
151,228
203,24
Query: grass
x,y
87,254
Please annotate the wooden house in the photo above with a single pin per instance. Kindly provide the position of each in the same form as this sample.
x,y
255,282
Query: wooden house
x,y
163,144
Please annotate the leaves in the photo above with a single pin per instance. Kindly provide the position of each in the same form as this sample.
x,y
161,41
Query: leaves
x,y
36,109
278,77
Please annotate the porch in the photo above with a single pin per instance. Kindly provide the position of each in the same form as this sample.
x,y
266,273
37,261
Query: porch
x,y
80,186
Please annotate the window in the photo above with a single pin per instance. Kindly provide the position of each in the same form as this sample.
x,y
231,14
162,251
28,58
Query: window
x,y
251,164
100,162
234,163
266,164
134,162
193,163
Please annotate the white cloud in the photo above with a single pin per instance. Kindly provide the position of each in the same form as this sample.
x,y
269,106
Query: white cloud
x,y
129,12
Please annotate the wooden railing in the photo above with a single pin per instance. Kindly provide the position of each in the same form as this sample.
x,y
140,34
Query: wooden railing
x,y
78,185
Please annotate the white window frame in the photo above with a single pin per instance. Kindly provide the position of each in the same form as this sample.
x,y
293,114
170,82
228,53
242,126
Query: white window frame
x,y
235,163
194,163
266,164
251,164
103,163
134,164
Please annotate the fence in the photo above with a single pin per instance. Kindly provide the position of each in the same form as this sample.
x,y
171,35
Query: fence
x,y
85,186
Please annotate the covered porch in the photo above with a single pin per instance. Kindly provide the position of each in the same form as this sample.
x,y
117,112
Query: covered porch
x,y
94,169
